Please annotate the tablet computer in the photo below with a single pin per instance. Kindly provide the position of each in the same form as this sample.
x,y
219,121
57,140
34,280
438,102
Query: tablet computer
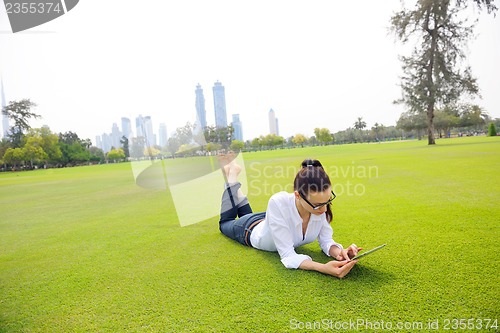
x,y
361,255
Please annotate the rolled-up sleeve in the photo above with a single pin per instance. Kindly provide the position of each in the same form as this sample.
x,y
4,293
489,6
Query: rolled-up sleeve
x,y
325,239
283,237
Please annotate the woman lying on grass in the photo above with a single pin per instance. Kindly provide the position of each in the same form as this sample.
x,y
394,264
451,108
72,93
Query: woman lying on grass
x,y
291,220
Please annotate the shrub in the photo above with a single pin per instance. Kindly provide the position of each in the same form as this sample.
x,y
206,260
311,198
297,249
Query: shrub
x,y
492,131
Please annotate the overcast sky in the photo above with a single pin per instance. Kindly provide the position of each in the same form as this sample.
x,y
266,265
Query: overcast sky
x,y
315,63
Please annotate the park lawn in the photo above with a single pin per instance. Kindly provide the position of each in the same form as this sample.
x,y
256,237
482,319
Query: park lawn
x,y
87,250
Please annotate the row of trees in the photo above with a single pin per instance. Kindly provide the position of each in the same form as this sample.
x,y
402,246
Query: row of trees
x,y
41,147
32,147
463,119
35,147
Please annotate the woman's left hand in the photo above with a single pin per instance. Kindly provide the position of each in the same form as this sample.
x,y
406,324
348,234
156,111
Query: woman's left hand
x,y
349,253
352,251
345,254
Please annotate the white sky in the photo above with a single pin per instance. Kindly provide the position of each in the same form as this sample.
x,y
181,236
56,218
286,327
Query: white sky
x,y
317,63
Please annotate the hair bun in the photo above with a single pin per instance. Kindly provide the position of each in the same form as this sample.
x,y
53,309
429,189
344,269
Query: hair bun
x,y
309,162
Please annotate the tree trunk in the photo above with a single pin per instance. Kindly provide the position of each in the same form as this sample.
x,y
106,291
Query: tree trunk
x,y
430,79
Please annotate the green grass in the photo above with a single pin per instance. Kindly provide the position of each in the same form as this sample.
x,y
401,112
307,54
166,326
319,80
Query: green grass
x,y
87,250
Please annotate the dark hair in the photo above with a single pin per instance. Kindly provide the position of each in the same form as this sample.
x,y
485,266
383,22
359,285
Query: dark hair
x,y
313,178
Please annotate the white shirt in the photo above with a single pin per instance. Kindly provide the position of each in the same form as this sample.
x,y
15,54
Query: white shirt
x,y
282,231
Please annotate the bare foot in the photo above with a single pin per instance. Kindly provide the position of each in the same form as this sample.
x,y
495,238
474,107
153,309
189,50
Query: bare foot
x,y
232,170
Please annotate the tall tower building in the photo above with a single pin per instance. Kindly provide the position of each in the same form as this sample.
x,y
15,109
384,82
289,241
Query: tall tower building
x,y
148,127
162,134
139,127
126,128
5,119
238,130
220,105
201,114
116,136
273,123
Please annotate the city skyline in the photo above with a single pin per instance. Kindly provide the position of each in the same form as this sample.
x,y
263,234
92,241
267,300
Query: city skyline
x,y
314,74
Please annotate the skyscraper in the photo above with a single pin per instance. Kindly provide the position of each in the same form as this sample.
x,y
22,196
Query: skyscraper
x,y
148,127
139,127
201,114
116,136
126,127
219,105
162,133
5,119
238,130
273,123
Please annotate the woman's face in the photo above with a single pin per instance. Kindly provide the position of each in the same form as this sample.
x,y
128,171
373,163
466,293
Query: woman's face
x,y
316,202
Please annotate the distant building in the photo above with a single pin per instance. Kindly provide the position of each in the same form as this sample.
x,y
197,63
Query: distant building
x,y
201,114
139,127
126,128
162,135
5,119
238,130
144,128
148,126
219,105
116,136
98,141
106,142
273,123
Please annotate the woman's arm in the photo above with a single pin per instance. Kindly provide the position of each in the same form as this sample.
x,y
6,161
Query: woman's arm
x,y
335,268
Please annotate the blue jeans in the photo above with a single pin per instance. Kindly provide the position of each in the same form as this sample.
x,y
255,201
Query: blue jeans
x,y
236,215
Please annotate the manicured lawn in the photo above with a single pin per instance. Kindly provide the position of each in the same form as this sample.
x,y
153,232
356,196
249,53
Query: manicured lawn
x,y
87,250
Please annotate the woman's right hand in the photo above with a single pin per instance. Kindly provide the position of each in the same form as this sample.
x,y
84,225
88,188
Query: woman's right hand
x,y
338,268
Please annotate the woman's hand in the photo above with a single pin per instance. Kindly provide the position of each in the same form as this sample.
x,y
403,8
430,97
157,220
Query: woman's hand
x,y
353,250
345,254
338,268
334,268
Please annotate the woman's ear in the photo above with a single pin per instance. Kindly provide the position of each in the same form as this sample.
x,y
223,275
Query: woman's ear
x,y
297,195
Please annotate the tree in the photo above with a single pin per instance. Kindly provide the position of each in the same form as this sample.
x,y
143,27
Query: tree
x,y
96,154
4,145
272,141
69,138
124,142
378,131
20,113
433,74
116,154
221,135
257,143
409,121
33,150
359,124
74,150
323,135
210,147
173,144
444,120
237,145
187,149
299,139
490,6
473,116
49,143
492,131
13,156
